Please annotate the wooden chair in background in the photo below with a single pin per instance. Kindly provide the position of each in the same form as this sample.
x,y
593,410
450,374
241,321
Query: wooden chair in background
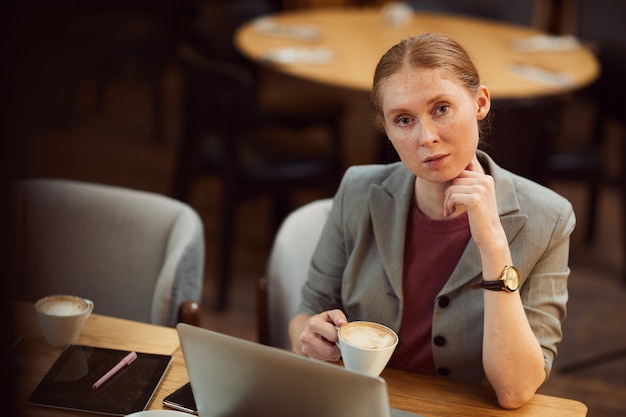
x,y
597,23
226,135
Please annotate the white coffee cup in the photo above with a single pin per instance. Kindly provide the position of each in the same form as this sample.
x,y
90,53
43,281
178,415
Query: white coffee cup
x,y
61,317
396,14
366,346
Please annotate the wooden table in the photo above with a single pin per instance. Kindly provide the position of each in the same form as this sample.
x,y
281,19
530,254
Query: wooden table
x,y
358,37
35,356
427,396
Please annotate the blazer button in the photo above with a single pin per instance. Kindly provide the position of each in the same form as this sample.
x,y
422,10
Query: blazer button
x,y
439,340
443,371
443,301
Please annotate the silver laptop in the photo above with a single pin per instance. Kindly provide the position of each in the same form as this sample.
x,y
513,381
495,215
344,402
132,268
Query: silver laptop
x,y
235,377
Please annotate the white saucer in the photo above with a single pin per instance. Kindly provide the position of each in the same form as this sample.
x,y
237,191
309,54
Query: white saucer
x,y
159,413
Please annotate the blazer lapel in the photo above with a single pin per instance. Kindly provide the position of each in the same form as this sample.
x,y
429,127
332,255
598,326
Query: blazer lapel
x,y
389,207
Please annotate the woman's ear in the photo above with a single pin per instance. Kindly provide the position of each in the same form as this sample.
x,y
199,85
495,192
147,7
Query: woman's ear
x,y
483,102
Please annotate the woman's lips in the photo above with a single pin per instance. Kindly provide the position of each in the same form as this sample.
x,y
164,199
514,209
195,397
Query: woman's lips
x,y
435,160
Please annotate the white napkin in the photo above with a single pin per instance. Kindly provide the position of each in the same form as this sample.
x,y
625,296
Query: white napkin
x,y
542,76
299,55
540,43
268,26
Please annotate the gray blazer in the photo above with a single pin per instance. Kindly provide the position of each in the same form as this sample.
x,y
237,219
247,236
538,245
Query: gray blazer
x,y
357,265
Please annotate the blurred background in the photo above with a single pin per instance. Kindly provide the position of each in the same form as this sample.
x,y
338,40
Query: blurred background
x,y
95,91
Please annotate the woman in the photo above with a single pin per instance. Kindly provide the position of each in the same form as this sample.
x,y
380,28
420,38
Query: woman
x,y
406,242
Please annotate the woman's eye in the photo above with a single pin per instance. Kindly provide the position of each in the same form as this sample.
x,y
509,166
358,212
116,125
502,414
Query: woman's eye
x,y
442,109
403,121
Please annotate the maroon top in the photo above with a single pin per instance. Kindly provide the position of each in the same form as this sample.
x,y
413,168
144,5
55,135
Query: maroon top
x,y
431,252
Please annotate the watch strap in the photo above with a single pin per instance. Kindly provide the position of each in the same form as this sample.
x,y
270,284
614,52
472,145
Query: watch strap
x,y
496,285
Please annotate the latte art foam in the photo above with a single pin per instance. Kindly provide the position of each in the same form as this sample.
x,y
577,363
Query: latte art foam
x,y
367,336
62,307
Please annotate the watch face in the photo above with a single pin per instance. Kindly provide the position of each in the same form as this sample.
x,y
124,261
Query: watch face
x,y
511,279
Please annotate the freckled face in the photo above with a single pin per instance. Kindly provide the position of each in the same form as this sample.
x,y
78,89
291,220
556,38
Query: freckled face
x,y
432,121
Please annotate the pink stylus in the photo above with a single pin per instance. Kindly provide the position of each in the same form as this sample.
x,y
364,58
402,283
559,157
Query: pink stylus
x,y
127,360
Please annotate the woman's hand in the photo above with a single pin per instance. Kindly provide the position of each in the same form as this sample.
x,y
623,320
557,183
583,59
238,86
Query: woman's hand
x,y
475,190
318,336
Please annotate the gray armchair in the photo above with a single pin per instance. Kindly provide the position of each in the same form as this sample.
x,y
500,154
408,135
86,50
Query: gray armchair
x,y
136,254
288,266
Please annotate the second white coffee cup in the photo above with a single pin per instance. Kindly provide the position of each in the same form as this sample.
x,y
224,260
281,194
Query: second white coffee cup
x,y
366,346
62,317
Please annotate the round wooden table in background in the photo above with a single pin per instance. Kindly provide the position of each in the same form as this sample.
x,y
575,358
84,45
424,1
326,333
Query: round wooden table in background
x,y
358,37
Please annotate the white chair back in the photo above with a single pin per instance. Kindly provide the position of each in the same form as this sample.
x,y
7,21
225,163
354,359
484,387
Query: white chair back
x,y
288,266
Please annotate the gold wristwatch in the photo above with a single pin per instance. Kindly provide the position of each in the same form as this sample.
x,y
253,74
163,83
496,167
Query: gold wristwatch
x,y
508,281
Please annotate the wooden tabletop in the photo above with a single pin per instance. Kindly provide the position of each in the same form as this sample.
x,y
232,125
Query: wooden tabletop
x,y
35,356
436,397
358,37
427,396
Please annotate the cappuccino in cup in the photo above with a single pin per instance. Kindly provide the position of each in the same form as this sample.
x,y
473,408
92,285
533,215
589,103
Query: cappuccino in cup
x,y
368,335
61,317
366,346
62,305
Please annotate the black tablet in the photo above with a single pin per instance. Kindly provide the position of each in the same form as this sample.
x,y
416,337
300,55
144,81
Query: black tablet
x,y
68,383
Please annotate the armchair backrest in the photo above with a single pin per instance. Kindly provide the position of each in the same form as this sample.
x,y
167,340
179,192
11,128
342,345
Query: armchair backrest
x,y
288,267
137,255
